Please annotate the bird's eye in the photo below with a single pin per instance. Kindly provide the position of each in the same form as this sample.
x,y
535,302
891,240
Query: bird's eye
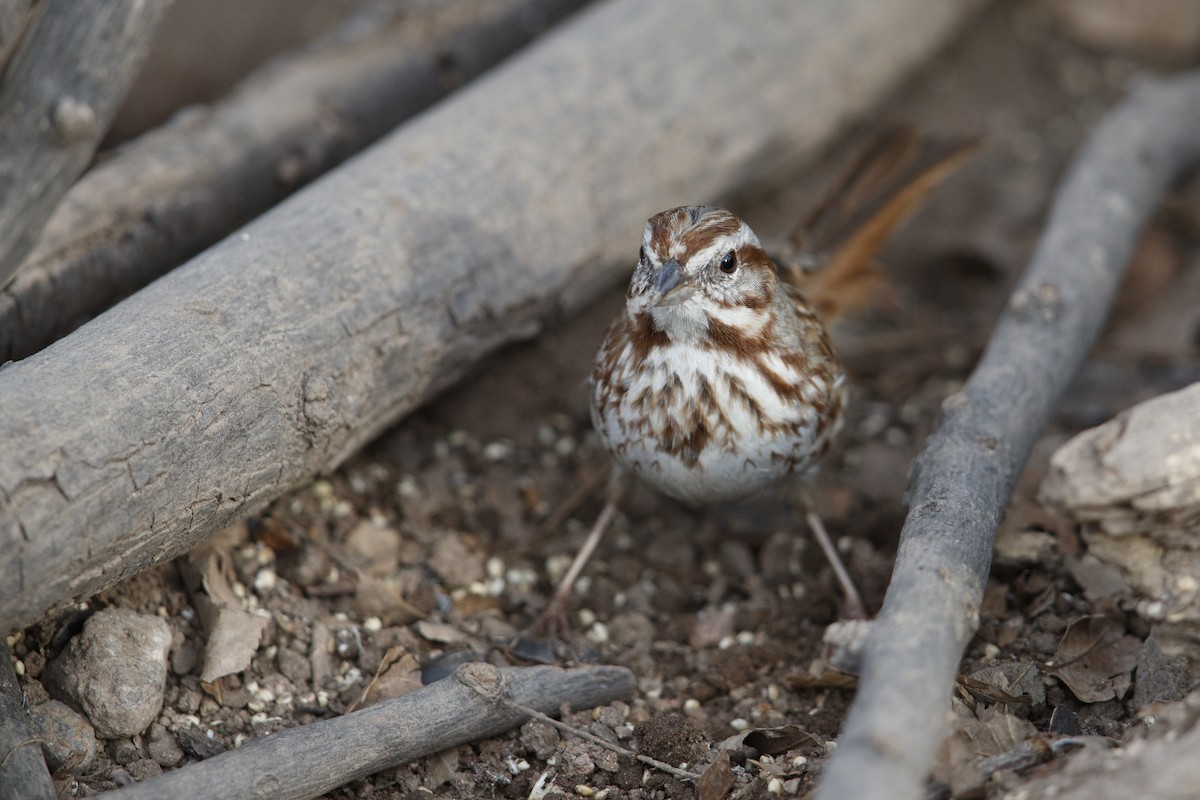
x,y
729,263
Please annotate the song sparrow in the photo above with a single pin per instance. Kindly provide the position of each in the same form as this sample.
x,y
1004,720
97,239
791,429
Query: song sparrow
x,y
719,378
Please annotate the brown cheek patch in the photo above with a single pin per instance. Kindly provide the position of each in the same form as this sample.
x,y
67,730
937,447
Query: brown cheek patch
x,y
644,335
756,259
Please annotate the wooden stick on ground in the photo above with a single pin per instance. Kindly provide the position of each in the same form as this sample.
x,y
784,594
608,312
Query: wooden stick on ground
x,y
168,195
962,481
314,759
273,356
23,774
56,109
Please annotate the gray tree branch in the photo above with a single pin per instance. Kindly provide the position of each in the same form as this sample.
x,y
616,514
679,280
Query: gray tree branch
x,y
962,481
314,759
66,80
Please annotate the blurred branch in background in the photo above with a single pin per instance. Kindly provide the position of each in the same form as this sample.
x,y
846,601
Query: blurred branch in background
x,y
166,196
67,77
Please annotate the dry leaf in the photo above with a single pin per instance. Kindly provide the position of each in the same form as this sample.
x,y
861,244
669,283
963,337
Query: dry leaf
x,y
769,741
440,768
966,757
379,597
717,780
439,632
399,673
1095,659
1011,683
233,634
232,643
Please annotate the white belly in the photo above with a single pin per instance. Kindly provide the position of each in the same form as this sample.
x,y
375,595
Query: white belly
x,y
705,426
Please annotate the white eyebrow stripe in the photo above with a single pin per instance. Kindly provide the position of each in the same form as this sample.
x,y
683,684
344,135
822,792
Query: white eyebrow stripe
x,y
720,246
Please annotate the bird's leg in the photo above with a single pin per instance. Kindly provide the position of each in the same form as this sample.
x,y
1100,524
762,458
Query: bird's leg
x,y
853,604
554,617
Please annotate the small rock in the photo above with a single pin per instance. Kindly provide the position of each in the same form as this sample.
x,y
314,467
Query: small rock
x,y
631,629
197,742
184,658
295,666
123,751
142,769
456,565
376,546
114,671
1159,677
189,701
576,759
304,566
163,747
67,738
539,739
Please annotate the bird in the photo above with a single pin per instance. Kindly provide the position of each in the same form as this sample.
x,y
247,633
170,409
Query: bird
x,y
719,379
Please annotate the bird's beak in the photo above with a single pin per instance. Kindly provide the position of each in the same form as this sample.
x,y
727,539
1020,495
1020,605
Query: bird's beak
x,y
671,288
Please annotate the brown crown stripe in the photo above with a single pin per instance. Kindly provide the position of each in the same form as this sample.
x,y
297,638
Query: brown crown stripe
x,y
708,229
693,228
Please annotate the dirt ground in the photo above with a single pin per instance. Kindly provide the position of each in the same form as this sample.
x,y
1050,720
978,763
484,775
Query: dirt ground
x,y
719,612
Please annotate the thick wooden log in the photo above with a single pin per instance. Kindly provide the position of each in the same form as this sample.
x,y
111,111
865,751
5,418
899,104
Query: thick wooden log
x,y
314,759
274,355
168,195
961,482
56,108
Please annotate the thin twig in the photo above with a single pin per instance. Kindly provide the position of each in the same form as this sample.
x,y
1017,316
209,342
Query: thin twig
x,y
313,759
962,481
607,745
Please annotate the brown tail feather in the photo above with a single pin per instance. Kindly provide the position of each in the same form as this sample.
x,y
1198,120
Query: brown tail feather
x,y
835,246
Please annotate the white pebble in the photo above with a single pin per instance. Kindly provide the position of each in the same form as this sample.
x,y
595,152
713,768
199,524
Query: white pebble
x,y
372,624
497,451
775,787
691,705
265,581
745,638
598,633
739,724
494,567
